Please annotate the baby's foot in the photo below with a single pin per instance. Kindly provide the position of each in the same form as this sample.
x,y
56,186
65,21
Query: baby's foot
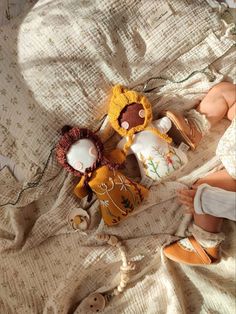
x,y
189,251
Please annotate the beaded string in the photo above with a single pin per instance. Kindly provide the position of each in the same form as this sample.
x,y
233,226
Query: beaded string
x,y
125,269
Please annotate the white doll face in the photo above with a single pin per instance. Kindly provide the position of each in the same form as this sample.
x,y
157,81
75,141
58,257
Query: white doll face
x,y
82,155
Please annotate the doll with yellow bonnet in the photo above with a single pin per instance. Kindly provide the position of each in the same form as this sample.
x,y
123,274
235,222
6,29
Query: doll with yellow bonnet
x,y
130,114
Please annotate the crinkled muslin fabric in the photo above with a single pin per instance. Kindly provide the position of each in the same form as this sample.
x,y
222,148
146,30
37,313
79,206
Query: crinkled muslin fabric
x,y
58,62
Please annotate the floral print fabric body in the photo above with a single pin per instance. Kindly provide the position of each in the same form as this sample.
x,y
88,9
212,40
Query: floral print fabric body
x,y
159,164
157,159
118,195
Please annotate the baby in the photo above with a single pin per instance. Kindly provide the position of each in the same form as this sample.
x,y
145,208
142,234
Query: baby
x,y
211,198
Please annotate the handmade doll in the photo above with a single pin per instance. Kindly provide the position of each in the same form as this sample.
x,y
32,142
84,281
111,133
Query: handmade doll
x,y
130,114
81,152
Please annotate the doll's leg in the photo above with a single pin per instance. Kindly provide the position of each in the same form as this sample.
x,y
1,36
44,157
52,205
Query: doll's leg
x,y
203,247
220,179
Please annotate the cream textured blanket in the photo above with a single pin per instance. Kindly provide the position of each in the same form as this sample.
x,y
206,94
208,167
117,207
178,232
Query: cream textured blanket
x,y
58,62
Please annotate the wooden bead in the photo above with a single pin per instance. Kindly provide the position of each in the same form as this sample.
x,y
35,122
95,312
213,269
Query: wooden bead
x,y
113,240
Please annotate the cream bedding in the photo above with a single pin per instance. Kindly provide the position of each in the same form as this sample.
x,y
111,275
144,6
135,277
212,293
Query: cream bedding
x,y
58,62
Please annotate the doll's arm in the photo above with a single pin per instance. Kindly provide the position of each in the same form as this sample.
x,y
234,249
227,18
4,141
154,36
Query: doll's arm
x,y
116,156
121,145
80,191
163,124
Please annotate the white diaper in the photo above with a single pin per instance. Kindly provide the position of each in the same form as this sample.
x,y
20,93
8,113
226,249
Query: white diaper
x,y
226,149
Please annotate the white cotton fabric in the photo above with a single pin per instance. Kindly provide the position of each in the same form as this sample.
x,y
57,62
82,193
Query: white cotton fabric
x,y
58,62
157,159
226,149
6,162
215,201
163,124
205,238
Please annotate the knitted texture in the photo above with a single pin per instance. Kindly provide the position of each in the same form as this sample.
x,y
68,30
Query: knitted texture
x,y
207,239
122,97
57,65
68,139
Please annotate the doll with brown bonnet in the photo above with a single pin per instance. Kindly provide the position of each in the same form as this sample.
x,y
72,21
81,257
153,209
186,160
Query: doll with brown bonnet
x,y
81,152
130,114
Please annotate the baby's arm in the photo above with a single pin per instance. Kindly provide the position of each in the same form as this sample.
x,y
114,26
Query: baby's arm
x,y
186,197
163,124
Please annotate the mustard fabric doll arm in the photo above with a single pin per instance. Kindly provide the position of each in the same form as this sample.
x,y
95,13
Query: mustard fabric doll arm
x,y
116,156
163,125
121,145
80,191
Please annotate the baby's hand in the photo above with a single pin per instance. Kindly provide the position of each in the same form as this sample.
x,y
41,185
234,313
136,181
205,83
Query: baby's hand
x,y
186,197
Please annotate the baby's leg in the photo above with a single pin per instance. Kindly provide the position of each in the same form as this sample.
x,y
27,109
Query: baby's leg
x,y
220,179
219,102
203,246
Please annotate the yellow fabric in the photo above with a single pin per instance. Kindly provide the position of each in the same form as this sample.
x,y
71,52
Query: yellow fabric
x,y
80,190
118,195
116,156
77,220
122,97
161,135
